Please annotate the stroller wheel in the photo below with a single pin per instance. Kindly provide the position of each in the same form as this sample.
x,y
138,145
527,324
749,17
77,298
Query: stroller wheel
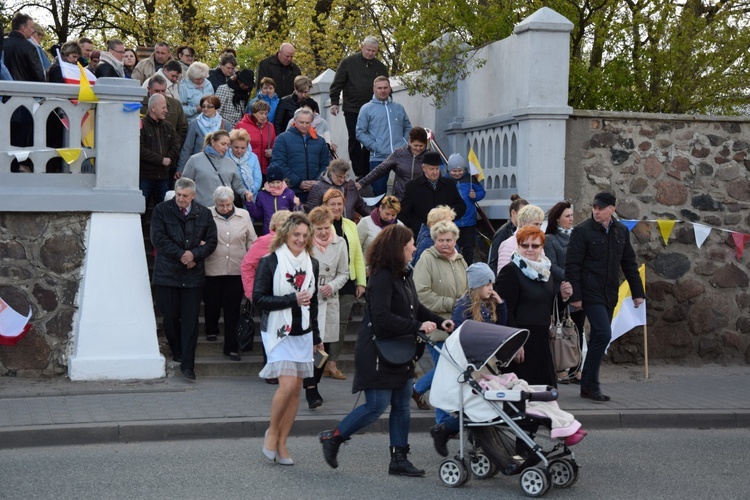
x,y
564,473
481,466
453,472
534,482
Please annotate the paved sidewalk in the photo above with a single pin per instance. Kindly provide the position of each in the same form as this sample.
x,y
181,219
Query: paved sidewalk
x,y
42,412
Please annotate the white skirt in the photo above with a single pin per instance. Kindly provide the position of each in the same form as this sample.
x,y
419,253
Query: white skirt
x,y
293,357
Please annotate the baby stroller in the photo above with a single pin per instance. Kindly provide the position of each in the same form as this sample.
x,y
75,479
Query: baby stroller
x,y
501,434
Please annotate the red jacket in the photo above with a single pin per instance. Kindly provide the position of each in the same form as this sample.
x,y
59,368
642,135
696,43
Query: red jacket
x,y
260,138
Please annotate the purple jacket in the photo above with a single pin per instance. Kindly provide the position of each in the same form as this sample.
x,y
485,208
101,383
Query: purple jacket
x,y
266,204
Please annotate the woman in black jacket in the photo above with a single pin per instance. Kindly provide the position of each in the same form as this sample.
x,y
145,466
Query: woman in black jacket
x,y
393,309
286,291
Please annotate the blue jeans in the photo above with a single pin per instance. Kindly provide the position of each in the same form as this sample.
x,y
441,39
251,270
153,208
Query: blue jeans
x,y
423,384
600,319
379,186
376,402
154,187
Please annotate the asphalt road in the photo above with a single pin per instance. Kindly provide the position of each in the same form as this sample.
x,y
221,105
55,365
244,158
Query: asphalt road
x,y
649,464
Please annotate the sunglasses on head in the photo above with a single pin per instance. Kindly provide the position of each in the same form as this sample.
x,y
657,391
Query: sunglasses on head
x,y
535,246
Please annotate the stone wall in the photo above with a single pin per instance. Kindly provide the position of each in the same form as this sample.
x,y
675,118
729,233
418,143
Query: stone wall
x,y
41,255
685,168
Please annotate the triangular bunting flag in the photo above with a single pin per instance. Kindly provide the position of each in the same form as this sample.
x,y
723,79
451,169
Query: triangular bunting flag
x,y
665,227
20,155
69,154
629,223
13,326
129,107
85,93
87,129
701,233
475,168
739,243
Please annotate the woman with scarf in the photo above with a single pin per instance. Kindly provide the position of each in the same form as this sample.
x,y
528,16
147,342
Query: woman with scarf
x,y
355,286
211,168
234,95
331,252
526,286
337,177
286,293
274,196
262,133
383,216
246,161
207,122
193,88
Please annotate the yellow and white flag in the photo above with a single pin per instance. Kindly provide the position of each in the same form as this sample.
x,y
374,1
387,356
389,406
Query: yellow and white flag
x,y
626,315
475,168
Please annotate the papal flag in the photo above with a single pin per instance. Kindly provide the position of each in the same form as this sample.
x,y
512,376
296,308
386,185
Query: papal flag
x,y
626,315
13,326
475,168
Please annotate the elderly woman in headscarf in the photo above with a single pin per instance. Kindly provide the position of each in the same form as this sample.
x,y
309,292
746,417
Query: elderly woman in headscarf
x,y
234,95
192,88
207,122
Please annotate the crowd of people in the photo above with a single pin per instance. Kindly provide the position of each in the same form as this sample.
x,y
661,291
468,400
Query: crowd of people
x,y
237,161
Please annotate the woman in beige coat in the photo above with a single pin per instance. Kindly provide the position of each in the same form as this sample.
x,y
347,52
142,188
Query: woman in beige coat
x,y
223,289
440,278
333,258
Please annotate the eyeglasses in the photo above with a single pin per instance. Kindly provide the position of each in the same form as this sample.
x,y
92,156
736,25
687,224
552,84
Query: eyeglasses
x,y
187,54
208,106
535,246
118,51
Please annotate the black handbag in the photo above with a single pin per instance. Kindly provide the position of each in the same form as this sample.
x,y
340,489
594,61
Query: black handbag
x,y
399,350
246,327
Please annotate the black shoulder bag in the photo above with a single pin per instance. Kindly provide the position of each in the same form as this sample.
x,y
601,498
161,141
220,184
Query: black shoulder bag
x,y
399,350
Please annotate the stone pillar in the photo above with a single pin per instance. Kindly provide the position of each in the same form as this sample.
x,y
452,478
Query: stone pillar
x,y
115,332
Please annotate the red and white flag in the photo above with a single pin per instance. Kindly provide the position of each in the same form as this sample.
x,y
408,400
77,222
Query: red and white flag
x,y
13,326
71,73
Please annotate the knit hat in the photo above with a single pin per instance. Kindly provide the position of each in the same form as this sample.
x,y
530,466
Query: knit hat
x,y
274,174
456,161
432,158
247,77
479,274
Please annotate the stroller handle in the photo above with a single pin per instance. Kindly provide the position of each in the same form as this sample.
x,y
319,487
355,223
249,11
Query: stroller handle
x,y
425,338
550,394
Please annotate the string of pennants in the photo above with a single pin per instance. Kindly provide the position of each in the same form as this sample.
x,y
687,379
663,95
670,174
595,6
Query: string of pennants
x,y
701,232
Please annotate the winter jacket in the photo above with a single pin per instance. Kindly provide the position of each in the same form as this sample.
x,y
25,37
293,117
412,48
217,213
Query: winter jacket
x,y
272,101
261,138
194,142
393,308
404,165
505,252
462,312
368,231
146,68
464,185
21,58
301,158
250,261
172,234
217,78
159,140
266,301
265,205
248,167
382,126
353,202
173,89
594,259
175,116
230,111
357,271
423,241
334,271
556,248
355,76
190,97
502,234
420,198
207,178
283,76
285,112
235,236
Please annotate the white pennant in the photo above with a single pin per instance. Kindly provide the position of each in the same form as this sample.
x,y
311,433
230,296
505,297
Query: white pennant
x,y
20,155
701,233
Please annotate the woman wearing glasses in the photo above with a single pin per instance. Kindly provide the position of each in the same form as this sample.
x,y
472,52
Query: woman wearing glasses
x,y
528,289
208,121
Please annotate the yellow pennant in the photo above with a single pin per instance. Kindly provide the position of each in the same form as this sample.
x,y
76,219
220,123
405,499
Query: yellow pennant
x,y
665,227
69,154
85,93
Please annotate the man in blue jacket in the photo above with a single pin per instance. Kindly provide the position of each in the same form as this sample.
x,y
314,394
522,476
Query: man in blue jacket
x,y
301,154
382,126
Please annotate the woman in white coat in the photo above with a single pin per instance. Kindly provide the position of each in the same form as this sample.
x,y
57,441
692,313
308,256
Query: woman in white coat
x,y
333,257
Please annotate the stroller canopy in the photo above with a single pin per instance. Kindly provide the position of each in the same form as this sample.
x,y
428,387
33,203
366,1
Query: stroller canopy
x,y
481,342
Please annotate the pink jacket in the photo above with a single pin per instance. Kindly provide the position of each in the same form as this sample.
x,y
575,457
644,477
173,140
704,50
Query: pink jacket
x,y
250,262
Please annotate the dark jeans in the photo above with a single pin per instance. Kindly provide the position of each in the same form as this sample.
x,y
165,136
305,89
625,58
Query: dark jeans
x,y
155,188
359,156
376,402
379,186
600,319
223,292
179,308
467,237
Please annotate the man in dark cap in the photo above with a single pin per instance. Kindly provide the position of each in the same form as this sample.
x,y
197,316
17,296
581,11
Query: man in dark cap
x,y
428,191
599,247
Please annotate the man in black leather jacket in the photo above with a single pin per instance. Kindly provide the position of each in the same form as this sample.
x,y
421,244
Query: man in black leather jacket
x,y
598,248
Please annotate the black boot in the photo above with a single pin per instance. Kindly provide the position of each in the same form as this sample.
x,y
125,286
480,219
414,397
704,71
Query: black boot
x,y
331,446
314,399
440,436
400,465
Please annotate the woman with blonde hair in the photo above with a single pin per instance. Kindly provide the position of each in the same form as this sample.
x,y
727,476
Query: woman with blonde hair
x,y
286,292
424,240
247,162
530,215
383,216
